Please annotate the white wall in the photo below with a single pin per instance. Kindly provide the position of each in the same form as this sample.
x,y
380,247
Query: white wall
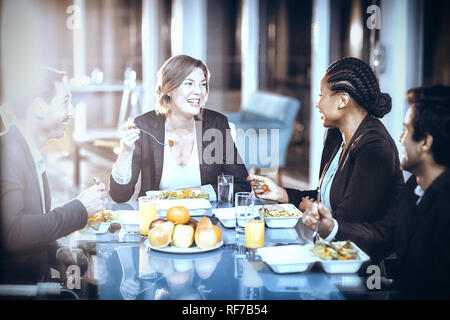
x,y
189,28
320,59
249,48
402,36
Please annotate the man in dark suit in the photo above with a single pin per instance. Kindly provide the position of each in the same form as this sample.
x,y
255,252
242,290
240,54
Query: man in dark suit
x,y
419,224
29,227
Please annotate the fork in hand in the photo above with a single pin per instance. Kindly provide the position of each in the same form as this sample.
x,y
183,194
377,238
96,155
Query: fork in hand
x,y
315,206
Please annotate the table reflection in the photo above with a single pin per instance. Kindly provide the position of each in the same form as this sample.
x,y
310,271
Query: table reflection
x,y
124,268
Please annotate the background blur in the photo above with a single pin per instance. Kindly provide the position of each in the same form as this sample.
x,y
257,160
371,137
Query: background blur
x,y
112,49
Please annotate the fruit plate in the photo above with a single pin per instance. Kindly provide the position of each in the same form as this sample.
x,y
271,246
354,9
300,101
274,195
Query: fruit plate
x,y
191,204
173,249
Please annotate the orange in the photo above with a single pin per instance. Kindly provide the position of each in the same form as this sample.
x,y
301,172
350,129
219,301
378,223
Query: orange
x,y
178,215
218,232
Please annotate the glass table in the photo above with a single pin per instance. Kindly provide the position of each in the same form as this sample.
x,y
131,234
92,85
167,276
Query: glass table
x,y
122,267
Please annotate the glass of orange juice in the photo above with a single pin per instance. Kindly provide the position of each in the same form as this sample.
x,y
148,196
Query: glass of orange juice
x,y
254,229
147,213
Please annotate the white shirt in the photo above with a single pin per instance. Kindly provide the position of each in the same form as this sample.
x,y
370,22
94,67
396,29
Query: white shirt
x,y
175,176
38,162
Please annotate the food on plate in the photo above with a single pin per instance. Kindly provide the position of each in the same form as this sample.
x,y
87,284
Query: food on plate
x,y
183,236
156,222
104,216
160,235
335,250
218,232
181,194
205,236
274,211
101,216
178,215
201,233
192,222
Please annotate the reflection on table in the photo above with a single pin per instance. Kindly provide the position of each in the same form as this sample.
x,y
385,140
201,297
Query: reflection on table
x,y
124,268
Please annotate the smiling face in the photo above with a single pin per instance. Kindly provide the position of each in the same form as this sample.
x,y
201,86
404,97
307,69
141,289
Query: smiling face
x,y
328,104
188,98
58,113
411,156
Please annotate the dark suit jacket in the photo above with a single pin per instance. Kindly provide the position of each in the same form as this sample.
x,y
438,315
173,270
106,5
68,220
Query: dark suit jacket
x,y
419,236
148,156
368,179
423,242
28,235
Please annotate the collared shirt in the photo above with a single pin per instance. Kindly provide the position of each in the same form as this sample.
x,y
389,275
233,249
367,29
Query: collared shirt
x,y
326,189
419,192
38,162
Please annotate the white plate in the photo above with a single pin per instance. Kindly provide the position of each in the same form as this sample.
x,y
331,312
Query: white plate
x,y
173,249
297,258
191,204
227,217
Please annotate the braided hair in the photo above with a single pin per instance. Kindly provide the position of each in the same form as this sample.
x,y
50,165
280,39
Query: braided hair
x,y
356,78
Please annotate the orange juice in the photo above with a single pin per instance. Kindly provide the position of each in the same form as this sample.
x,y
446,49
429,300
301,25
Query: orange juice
x,y
254,234
147,213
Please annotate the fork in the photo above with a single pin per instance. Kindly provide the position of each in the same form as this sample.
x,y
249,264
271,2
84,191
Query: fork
x,y
148,133
170,144
316,204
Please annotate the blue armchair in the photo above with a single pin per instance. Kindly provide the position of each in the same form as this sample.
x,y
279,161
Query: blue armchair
x,y
263,129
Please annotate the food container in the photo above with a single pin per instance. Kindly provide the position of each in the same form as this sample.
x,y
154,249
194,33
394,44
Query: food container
x,y
298,258
287,259
343,266
283,222
227,217
191,204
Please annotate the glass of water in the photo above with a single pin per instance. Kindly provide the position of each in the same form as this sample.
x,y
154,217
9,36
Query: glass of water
x,y
225,191
242,202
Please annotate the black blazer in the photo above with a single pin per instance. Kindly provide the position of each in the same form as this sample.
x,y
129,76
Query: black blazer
x,y
368,178
28,235
422,241
418,234
148,156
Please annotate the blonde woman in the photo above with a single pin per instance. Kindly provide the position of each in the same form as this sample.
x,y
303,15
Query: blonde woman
x,y
189,146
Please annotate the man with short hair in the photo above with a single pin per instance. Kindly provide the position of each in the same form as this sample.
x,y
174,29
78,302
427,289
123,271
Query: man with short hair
x,y
418,225
29,227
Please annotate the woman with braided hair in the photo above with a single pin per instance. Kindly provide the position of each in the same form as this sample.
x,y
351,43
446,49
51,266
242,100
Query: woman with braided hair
x,y
360,175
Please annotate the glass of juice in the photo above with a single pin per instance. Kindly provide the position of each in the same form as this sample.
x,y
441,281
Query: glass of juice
x,y
147,213
254,229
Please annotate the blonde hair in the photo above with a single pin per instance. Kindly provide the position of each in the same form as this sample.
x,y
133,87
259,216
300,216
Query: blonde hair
x,y
171,75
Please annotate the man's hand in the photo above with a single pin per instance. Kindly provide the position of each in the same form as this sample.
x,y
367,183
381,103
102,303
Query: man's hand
x,y
93,199
322,216
271,192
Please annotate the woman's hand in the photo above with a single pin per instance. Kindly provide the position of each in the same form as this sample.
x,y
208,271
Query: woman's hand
x,y
305,204
266,189
318,214
128,135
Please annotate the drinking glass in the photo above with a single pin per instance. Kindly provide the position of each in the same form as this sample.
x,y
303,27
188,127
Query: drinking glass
x,y
225,189
242,201
254,229
147,213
